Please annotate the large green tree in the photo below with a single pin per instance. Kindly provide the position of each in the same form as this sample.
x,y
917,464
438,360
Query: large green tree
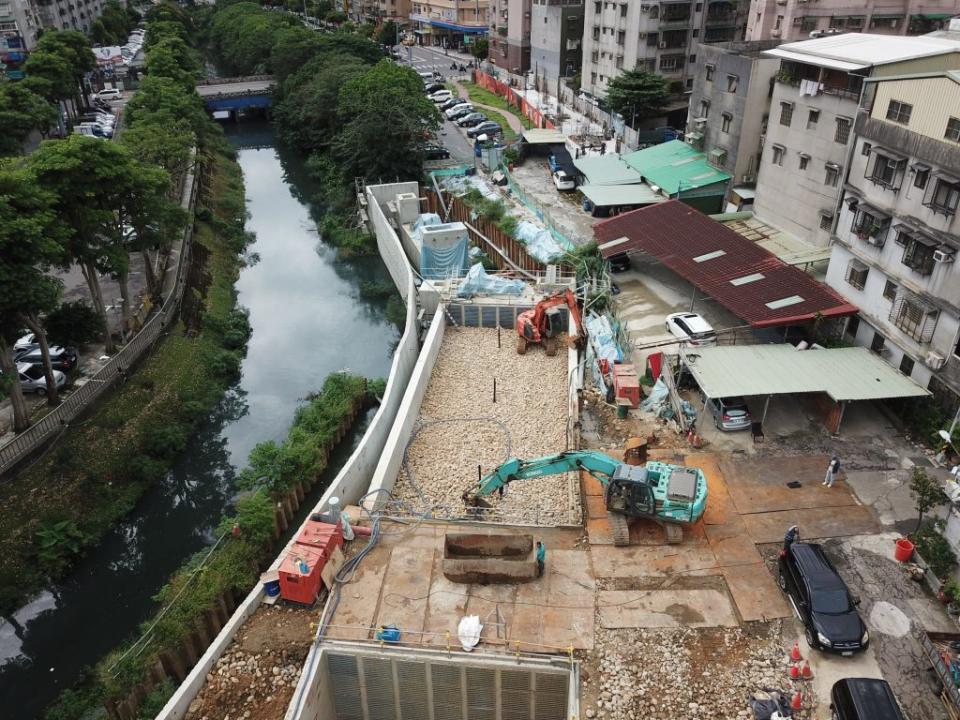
x,y
389,33
21,112
171,57
29,234
162,101
292,49
386,119
637,94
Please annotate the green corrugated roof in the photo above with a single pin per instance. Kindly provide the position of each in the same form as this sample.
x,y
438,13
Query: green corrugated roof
x,y
673,163
607,170
608,195
851,373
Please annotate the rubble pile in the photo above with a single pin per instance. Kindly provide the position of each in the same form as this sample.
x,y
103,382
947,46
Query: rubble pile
x,y
461,427
683,673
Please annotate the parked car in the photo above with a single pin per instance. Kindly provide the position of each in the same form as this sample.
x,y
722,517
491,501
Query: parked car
x,y
440,96
109,94
471,119
27,341
864,699
820,598
459,112
97,129
488,127
32,378
730,413
451,103
436,152
619,262
433,87
563,181
61,358
457,108
691,329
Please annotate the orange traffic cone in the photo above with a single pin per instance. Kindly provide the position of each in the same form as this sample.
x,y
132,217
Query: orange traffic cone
x,y
795,653
794,671
806,672
797,702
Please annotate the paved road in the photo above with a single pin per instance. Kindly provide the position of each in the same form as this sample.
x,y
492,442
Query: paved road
x,y
240,88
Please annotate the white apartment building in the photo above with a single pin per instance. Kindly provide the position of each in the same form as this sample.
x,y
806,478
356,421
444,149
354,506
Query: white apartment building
x,y
789,20
810,125
21,20
898,232
657,36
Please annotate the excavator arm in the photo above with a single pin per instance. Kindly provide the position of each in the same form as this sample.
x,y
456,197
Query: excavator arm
x,y
597,464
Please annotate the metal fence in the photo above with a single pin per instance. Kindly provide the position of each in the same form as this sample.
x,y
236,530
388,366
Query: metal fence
x,y
57,420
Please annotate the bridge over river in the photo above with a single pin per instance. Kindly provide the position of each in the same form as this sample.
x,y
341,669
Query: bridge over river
x,y
237,93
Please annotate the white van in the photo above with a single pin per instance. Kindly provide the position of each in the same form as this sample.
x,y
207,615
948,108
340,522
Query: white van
x,y
109,94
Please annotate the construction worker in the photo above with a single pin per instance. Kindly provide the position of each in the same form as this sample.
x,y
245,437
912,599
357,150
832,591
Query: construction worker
x,y
541,557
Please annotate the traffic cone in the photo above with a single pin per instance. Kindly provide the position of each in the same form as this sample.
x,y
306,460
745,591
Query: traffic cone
x,y
806,672
794,671
795,653
797,702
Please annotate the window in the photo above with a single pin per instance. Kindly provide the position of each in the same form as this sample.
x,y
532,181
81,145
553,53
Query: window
x,y
709,69
725,124
853,324
953,130
902,237
596,33
732,82
865,150
778,151
593,78
843,130
812,117
704,108
804,161
693,59
598,7
826,220
890,290
870,226
906,365
779,22
857,274
899,112
944,197
918,255
786,113
887,172
914,317
672,63
621,37
652,39
832,175
877,343
619,61
623,10
920,177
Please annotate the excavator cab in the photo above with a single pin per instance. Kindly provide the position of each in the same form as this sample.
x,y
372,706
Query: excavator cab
x,y
629,492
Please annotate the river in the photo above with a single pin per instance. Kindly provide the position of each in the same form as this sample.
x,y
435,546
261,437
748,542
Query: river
x,y
309,319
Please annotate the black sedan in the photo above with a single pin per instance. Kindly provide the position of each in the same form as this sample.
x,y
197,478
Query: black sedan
x,y
435,152
820,598
485,128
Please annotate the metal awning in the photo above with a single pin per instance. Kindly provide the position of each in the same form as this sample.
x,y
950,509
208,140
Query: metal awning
x,y
620,195
540,136
852,373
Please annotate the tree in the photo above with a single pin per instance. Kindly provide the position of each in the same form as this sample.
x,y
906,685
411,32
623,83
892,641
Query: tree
x,y
337,17
21,112
29,233
72,323
637,94
927,493
292,49
389,33
171,57
48,75
386,119
161,101
480,48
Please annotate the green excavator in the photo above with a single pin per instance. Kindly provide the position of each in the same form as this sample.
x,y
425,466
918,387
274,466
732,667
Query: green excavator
x,y
671,495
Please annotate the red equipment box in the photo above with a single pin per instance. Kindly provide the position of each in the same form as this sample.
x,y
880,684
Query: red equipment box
x,y
300,574
626,384
321,536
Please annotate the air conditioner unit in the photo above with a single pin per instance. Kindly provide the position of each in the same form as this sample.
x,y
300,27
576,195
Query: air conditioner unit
x,y
943,255
662,45
875,241
749,179
934,361
642,36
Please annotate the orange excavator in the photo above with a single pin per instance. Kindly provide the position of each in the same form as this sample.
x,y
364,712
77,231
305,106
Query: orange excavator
x,y
545,322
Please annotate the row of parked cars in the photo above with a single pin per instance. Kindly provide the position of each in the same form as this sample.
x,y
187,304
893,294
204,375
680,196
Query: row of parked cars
x,y
29,363
458,110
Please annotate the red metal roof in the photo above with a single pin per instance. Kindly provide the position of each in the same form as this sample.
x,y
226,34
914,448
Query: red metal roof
x,y
710,255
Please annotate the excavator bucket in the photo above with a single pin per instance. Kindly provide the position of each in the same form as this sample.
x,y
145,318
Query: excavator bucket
x,y
471,499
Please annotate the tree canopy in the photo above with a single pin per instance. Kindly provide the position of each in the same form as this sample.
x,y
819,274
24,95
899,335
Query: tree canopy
x,y
21,112
637,94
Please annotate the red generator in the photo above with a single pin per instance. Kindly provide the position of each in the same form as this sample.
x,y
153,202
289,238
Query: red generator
x,y
626,385
300,575
321,536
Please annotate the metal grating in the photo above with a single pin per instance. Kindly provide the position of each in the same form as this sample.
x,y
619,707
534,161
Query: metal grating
x,y
550,698
378,681
515,694
481,693
447,692
344,670
414,700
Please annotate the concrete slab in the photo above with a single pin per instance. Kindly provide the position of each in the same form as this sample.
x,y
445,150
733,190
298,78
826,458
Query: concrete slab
x,y
931,617
406,588
664,609
360,599
737,548
755,593
759,485
651,561
814,523
570,618
446,606
494,605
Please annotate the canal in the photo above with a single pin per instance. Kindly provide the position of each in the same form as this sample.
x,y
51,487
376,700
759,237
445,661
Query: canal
x,y
310,316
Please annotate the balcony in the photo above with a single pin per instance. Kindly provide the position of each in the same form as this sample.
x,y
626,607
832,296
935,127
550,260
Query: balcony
x,y
728,19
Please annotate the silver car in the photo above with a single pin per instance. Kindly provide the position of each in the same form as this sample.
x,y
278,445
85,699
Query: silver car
x,y
32,379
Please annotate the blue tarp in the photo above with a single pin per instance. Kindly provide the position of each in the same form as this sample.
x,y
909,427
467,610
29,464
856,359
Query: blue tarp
x,y
539,242
447,262
477,282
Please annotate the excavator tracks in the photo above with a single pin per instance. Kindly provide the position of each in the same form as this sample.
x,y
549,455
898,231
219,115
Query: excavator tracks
x,y
619,528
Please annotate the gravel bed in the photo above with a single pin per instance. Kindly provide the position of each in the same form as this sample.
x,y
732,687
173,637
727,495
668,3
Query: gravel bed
x,y
460,427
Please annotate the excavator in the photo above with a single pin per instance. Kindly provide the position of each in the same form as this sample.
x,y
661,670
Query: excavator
x,y
671,495
544,322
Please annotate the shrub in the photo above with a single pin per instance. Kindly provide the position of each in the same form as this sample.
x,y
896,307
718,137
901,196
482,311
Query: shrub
x,y
73,323
226,365
56,543
165,442
145,469
508,225
935,549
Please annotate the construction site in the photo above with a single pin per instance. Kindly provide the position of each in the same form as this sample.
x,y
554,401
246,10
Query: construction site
x,y
483,555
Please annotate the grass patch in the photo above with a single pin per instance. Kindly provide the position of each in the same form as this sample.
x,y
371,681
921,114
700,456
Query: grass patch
x,y
485,97
63,503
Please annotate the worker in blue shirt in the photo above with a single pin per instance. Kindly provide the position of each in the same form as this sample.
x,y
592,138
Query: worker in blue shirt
x,y
541,557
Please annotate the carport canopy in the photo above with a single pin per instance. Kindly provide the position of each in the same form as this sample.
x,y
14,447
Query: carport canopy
x,y
845,374
620,195
542,136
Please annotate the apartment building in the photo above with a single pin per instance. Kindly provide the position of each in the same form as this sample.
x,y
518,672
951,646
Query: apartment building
x,y
898,233
510,34
446,23
377,11
806,138
22,20
657,36
788,20
732,84
556,38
